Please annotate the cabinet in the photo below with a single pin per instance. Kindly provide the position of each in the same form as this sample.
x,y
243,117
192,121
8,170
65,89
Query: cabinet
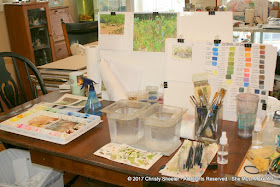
x,y
58,14
30,31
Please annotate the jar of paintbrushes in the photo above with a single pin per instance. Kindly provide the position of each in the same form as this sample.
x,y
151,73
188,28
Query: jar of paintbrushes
x,y
208,116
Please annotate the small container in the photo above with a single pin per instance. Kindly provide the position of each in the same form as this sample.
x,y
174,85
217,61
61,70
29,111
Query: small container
x,y
276,119
222,155
212,129
257,135
152,92
162,127
161,94
132,95
142,96
123,120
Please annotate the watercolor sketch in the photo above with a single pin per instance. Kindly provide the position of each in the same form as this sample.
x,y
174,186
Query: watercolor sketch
x,y
62,125
150,31
180,52
67,101
80,103
41,121
112,24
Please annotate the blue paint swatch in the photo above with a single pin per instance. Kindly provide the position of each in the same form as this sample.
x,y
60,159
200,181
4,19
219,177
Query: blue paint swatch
x,y
214,58
257,91
246,84
215,53
216,44
214,63
215,49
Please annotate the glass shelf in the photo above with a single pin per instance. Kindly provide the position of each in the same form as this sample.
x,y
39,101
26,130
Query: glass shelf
x,y
41,47
39,26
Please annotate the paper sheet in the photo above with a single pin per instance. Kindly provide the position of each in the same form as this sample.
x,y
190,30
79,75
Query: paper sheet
x,y
126,154
113,39
183,60
151,64
72,101
200,26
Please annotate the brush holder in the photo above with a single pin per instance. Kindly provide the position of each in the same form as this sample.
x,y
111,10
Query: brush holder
x,y
208,123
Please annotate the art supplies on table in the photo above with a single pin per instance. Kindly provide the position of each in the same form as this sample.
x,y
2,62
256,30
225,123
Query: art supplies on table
x,y
248,66
208,115
260,165
126,154
72,101
50,124
93,105
190,161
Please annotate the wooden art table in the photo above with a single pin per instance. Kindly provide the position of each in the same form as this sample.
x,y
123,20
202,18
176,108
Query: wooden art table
x,y
77,156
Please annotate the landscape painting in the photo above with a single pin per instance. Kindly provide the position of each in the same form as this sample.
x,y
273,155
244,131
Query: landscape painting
x,y
150,31
112,24
182,52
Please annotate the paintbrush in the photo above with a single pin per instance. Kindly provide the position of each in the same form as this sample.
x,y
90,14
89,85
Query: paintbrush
x,y
222,95
201,97
210,115
195,99
196,104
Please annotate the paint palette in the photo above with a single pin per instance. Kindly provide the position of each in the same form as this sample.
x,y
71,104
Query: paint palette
x,y
50,124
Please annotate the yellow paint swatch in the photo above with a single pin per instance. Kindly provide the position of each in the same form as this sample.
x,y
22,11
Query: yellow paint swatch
x,y
14,119
228,82
215,72
247,54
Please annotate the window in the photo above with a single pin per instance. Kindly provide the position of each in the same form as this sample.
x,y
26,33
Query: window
x,y
159,5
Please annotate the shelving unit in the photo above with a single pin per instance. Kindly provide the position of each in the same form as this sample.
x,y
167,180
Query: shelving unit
x,y
30,31
30,34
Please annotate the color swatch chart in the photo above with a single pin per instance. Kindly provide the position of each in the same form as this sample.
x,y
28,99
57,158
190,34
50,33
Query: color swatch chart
x,y
239,67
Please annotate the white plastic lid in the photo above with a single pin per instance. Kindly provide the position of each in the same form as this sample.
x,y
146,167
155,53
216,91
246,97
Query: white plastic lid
x,y
223,139
258,125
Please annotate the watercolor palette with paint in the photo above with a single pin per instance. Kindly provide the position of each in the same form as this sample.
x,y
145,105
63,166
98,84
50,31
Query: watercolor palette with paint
x,y
50,124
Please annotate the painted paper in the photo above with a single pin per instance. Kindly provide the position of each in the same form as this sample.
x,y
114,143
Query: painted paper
x,y
150,31
126,154
112,24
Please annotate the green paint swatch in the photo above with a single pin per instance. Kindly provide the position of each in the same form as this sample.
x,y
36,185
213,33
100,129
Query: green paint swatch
x,y
231,63
230,59
229,72
230,68
228,76
231,54
232,48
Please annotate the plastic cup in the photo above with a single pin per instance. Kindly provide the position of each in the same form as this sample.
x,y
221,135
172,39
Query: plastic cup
x,y
247,105
74,79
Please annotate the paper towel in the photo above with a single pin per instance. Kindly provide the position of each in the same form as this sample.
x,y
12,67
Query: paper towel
x,y
93,59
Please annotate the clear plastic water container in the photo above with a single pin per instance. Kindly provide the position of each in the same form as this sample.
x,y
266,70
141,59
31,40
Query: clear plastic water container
x,y
124,122
162,127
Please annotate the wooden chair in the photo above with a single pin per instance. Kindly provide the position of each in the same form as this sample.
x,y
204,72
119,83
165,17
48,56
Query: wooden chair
x,y
11,93
81,33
